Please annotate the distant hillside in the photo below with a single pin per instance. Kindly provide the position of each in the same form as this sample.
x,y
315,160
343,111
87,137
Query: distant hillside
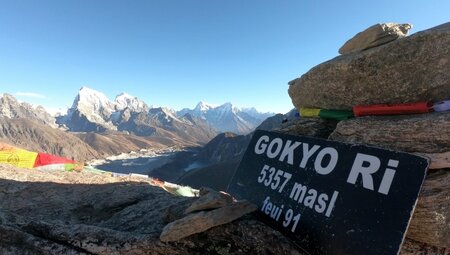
x,y
113,142
219,159
35,136
223,147
11,108
216,176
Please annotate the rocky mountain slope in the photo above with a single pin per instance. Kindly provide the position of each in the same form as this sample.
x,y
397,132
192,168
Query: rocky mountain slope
x,y
92,111
114,143
162,122
35,136
224,152
11,108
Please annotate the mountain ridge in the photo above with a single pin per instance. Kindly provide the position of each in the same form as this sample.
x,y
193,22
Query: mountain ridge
x,y
126,119
227,117
92,111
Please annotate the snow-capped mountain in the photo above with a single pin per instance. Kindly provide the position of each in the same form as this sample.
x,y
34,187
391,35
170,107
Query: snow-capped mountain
x,y
124,100
202,107
11,108
228,118
92,111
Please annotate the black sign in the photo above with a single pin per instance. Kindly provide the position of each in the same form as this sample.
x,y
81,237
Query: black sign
x,y
331,197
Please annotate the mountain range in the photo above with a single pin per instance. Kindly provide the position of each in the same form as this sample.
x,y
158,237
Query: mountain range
x,y
92,111
11,108
228,118
99,122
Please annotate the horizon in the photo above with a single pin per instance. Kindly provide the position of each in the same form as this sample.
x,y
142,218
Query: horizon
x,y
54,111
175,54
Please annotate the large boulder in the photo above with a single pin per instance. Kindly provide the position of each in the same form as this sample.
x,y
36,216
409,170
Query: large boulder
x,y
426,133
430,223
374,36
320,128
410,69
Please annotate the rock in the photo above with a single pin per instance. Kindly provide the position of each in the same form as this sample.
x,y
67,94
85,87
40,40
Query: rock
x,y
423,133
430,223
411,247
84,213
210,199
411,69
374,36
276,121
309,127
413,133
202,221
438,160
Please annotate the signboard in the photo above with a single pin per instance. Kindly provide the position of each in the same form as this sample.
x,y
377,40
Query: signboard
x,y
331,197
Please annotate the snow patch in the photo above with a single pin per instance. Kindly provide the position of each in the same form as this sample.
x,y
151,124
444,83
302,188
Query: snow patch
x,y
124,100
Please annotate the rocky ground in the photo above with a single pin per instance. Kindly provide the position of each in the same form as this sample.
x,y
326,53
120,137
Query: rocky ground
x,y
85,213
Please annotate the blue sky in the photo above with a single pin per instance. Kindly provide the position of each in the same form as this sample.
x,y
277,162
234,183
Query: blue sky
x,y
176,53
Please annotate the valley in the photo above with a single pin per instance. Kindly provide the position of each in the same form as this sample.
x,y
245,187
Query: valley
x,y
140,162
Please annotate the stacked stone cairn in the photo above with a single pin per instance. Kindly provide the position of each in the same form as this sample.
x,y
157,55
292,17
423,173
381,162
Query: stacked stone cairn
x,y
382,68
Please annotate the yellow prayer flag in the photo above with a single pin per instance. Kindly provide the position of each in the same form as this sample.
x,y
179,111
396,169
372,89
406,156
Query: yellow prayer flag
x,y
309,112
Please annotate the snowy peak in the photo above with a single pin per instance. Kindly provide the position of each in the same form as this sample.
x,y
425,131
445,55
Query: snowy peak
x,y
124,100
256,114
202,106
91,111
10,108
163,114
89,99
227,117
227,108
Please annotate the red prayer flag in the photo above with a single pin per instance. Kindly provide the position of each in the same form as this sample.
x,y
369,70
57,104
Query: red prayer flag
x,y
392,109
43,159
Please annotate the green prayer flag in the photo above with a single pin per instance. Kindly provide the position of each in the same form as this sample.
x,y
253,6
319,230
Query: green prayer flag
x,y
335,114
